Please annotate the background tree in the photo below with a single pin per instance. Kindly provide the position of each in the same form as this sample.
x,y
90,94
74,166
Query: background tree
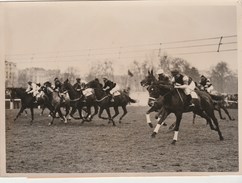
x,y
220,75
100,70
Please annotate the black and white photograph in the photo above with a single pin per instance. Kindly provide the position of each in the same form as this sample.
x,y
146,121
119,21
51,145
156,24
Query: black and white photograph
x,y
120,88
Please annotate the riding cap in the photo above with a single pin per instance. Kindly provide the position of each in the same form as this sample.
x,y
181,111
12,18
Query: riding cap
x,y
78,79
202,76
160,71
55,79
30,82
174,72
105,79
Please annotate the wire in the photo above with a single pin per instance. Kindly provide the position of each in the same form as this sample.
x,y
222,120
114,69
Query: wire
x,y
88,50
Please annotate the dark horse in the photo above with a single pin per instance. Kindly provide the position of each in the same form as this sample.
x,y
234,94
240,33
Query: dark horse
x,y
88,99
121,99
172,99
219,103
154,106
28,101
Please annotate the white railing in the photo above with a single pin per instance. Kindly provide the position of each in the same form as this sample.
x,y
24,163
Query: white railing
x,y
11,103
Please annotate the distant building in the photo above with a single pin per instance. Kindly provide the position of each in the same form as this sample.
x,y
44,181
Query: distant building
x,y
10,74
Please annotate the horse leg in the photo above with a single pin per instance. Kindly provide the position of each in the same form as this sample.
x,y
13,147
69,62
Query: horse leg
x,y
193,119
116,112
61,115
157,116
67,116
176,129
125,112
215,121
20,112
88,116
161,119
100,113
32,115
109,116
147,115
205,116
26,113
219,112
227,112
42,112
95,112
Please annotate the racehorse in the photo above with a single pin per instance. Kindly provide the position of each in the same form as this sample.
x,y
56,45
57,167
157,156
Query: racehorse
x,y
172,101
28,101
154,106
219,103
57,100
88,99
120,99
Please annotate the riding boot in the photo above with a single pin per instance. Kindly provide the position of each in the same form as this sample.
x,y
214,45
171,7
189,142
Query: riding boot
x,y
191,102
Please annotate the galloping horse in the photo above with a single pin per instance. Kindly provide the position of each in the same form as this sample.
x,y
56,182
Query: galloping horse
x,y
172,101
219,103
120,99
27,101
57,101
88,99
154,106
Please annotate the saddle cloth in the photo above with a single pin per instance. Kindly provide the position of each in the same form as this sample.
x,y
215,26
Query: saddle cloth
x,y
87,92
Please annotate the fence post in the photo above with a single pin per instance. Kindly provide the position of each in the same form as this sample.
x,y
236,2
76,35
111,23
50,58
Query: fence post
x,y
11,105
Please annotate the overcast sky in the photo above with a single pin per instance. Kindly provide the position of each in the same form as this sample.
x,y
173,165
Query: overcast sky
x,y
62,34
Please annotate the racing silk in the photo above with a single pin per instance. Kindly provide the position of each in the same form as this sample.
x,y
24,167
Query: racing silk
x,y
186,83
77,86
109,85
57,85
207,86
33,88
182,79
163,79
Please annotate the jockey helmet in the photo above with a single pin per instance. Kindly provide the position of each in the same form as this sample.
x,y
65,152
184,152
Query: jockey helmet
x,y
55,79
29,82
174,72
105,79
202,76
78,79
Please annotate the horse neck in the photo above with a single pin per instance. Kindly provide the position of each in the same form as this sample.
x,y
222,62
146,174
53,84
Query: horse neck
x,y
20,93
99,93
72,93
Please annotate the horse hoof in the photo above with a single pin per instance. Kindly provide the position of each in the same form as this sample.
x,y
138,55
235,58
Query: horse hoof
x,y
221,138
150,125
153,134
173,142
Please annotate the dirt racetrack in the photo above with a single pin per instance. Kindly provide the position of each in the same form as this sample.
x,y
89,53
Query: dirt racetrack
x,y
99,147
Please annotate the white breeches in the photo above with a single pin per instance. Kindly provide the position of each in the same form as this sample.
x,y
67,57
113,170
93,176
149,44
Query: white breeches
x,y
190,88
115,89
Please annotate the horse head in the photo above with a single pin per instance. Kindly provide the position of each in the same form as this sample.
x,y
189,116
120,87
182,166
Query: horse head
x,y
149,79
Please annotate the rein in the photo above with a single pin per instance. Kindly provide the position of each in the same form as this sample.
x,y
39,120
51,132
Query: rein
x,y
102,99
179,95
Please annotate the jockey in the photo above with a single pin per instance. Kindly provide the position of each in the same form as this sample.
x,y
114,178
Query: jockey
x,y
206,85
109,86
57,84
162,77
77,86
33,89
186,83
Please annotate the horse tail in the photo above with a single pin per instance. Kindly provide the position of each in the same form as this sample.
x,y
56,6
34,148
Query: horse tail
x,y
131,100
